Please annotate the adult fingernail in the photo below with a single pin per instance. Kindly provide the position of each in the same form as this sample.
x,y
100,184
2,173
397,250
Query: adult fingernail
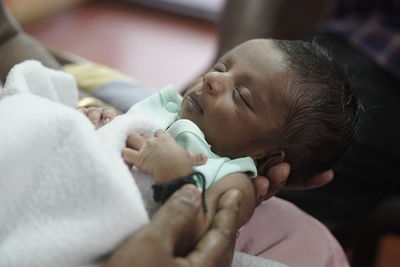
x,y
236,195
190,194
264,185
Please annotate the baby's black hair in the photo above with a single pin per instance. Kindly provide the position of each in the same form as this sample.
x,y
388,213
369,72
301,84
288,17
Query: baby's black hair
x,y
322,110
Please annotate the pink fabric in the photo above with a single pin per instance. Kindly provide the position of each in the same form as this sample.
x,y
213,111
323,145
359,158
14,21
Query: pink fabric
x,y
282,232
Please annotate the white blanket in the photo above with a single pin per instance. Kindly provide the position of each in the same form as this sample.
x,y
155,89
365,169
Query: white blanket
x,y
66,197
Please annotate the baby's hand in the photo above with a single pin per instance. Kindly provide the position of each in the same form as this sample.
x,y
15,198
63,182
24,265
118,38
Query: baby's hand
x,y
160,156
99,116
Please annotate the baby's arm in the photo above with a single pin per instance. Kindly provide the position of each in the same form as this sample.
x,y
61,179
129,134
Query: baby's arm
x,y
239,181
161,157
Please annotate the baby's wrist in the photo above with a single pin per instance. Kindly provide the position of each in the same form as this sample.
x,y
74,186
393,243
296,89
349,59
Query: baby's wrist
x,y
172,173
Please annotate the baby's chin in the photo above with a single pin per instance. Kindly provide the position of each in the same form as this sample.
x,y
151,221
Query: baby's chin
x,y
224,151
188,112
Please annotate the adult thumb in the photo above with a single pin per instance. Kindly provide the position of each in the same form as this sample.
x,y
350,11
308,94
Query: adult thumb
x,y
177,213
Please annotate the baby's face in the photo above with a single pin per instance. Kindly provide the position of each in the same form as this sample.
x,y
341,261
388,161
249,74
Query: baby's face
x,y
235,103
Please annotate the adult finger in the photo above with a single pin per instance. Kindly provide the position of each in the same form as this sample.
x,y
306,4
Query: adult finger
x,y
216,246
109,114
279,172
314,181
198,158
277,177
135,141
261,185
177,213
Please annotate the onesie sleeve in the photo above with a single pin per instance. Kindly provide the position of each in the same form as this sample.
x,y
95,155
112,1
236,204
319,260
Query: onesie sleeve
x,y
162,108
189,135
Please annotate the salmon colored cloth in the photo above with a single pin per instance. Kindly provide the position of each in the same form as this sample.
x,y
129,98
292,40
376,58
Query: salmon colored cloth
x,y
282,232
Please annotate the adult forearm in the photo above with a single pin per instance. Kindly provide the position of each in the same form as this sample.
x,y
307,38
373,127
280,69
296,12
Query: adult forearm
x,y
156,243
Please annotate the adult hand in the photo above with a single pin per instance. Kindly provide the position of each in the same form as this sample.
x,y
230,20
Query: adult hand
x,y
154,244
160,156
266,187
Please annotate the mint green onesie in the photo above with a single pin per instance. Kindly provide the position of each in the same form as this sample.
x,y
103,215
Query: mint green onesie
x,y
164,109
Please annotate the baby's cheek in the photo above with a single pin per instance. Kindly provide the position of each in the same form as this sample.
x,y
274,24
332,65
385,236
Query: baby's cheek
x,y
192,86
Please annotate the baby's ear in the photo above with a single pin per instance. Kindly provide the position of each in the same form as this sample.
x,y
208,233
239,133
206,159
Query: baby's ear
x,y
279,157
271,159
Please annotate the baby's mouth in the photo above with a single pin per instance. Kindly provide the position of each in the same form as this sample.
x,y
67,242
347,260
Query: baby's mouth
x,y
194,99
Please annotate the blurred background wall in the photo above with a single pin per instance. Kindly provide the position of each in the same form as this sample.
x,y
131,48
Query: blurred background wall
x,y
158,43
28,11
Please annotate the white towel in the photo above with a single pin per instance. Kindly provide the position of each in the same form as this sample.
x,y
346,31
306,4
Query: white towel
x,y
66,197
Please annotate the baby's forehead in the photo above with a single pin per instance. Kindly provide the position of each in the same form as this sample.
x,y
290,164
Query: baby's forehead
x,y
256,50
277,88
275,100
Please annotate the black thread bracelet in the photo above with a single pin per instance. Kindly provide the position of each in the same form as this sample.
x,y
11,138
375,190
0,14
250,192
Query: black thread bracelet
x,y
162,191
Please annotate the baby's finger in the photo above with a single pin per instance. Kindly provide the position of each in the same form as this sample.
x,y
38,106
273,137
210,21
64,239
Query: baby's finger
x,y
147,136
198,158
135,141
164,135
82,109
94,115
109,114
129,156
160,133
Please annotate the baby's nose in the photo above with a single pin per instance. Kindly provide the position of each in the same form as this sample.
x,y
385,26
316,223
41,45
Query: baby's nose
x,y
215,83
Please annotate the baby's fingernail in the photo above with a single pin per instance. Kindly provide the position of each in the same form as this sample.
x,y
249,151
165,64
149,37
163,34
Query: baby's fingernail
x,y
106,120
